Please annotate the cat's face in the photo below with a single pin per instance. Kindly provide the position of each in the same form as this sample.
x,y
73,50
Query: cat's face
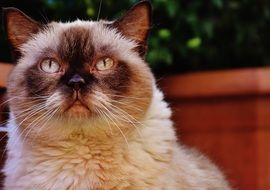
x,y
80,70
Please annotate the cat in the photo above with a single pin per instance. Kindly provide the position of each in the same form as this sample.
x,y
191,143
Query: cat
x,y
86,114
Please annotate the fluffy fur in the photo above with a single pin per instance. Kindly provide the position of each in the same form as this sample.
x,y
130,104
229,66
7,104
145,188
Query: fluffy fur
x,y
123,140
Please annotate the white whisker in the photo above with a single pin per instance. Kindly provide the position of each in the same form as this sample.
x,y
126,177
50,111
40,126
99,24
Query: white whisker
x,y
108,114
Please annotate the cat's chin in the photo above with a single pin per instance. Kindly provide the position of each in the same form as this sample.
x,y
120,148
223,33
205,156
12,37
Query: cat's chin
x,y
78,110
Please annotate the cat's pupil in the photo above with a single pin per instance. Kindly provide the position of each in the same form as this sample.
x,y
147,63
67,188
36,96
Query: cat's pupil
x,y
50,63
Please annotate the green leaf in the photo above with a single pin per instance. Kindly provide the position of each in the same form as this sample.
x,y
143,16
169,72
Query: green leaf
x,y
164,33
161,55
208,27
90,11
171,8
194,43
218,3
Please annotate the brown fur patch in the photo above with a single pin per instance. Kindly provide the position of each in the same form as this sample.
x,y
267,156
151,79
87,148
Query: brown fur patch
x,y
38,83
135,24
76,46
20,28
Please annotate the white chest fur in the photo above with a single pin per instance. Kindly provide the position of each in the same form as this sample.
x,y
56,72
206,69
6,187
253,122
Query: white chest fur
x,y
84,163
75,164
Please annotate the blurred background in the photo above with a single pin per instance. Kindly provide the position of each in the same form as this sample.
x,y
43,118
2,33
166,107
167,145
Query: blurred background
x,y
186,35
211,59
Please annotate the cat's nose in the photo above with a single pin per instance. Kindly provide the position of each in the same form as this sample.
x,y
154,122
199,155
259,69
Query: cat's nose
x,y
76,82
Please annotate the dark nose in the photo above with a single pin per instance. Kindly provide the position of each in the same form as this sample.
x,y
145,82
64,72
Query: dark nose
x,y
76,82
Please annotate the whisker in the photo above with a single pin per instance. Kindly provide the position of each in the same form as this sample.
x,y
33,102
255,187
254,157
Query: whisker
x,y
32,109
104,116
110,117
33,124
120,114
99,9
120,96
24,113
129,119
52,114
20,135
127,105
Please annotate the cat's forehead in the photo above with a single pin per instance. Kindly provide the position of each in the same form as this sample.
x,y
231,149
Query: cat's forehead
x,y
76,43
78,40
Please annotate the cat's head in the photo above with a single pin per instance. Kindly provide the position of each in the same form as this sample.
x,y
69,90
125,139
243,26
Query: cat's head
x,y
80,69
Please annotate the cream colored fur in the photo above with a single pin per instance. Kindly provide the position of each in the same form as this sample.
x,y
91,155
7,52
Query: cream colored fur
x,y
152,159
84,154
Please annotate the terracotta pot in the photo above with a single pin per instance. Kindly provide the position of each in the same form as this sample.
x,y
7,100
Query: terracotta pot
x,y
4,70
226,114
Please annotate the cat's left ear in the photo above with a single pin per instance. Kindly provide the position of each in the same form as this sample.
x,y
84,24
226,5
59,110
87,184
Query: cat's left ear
x,y
136,23
19,27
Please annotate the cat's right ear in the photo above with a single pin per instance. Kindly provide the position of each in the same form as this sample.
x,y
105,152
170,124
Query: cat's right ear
x,y
136,23
19,27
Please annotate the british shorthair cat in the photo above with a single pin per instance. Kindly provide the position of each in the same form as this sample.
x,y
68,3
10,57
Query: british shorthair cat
x,y
86,114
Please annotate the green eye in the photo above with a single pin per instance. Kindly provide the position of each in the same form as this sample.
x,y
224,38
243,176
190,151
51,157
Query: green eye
x,y
104,64
50,66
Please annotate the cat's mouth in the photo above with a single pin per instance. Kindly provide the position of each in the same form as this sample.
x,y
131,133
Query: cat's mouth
x,y
78,103
77,107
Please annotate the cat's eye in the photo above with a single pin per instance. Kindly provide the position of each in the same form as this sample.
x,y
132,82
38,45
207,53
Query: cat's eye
x,y
50,66
104,64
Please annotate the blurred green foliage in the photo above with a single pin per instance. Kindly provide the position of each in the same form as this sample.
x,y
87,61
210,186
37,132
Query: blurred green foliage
x,y
186,35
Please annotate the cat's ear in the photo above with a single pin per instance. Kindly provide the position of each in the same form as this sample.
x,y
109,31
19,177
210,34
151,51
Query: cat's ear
x,y
19,27
136,23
